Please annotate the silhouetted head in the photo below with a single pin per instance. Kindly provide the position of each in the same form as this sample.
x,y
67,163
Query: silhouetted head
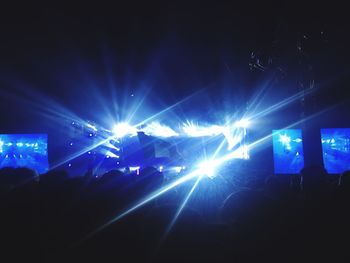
x,y
313,175
344,179
54,177
26,175
245,207
111,176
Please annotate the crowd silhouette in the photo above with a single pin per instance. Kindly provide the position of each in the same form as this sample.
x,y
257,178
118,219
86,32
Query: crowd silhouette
x,y
278,218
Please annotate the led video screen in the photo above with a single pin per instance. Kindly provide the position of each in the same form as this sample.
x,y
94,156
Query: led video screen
x,y
24,150
288,151
336,149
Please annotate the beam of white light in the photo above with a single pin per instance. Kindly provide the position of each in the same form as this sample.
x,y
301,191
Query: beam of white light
x,y
41,104
282,103
181,207
158,130
207,168
218,149
143,202
138,105
167,109
257,99
184,203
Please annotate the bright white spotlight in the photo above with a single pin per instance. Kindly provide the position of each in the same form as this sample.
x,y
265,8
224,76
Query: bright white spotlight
x,y
243,123
207,168
122,129
284,139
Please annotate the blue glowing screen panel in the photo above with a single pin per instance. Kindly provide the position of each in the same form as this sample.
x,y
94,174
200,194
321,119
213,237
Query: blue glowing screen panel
x,y
24,150
288,151
336,149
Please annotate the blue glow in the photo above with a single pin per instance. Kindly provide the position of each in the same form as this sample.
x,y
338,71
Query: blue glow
x,y
288,151
336,149
24,150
